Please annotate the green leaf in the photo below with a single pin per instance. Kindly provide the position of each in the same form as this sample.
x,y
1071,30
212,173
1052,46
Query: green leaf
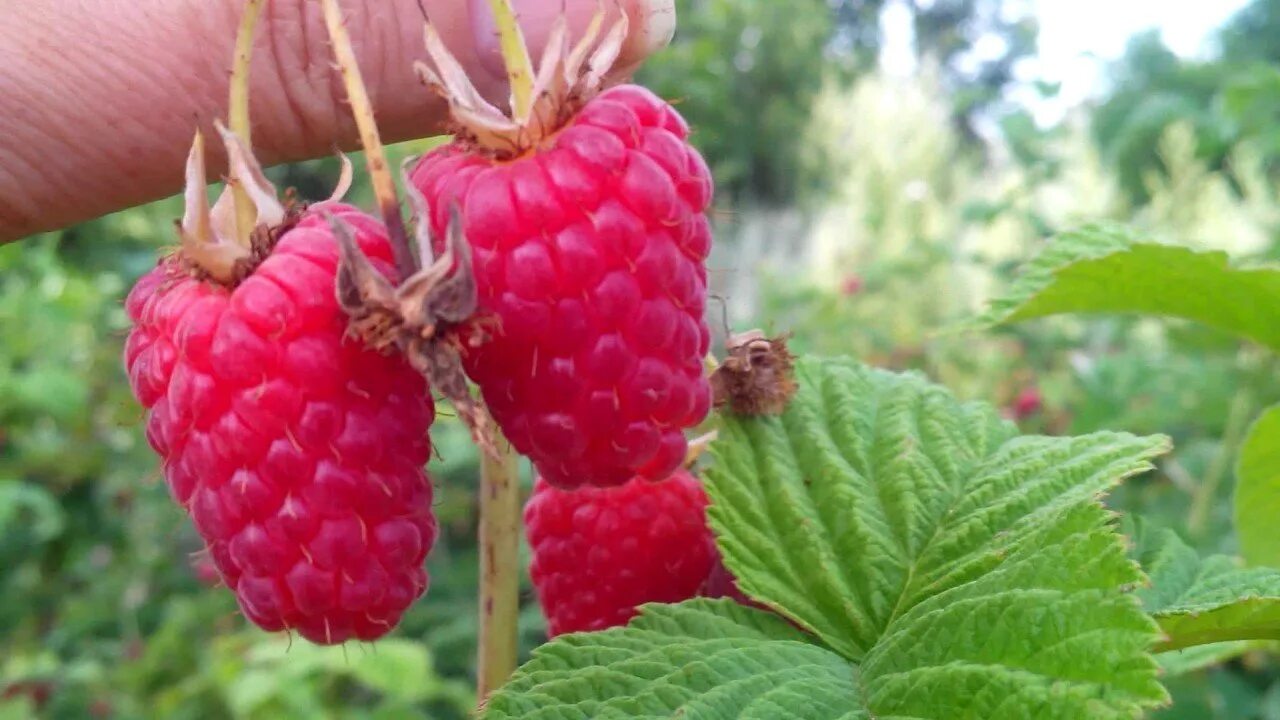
x,y
1200,601
945,567
1104,269
32,507
1180,662
1257,499
704,658
399,669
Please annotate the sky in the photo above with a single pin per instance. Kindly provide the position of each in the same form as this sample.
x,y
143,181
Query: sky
x,y
1078,38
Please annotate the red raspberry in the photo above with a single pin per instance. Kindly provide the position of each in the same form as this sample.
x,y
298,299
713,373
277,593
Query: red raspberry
x,y
205,571
600,552
589,244
1028,403
720,583
297,452
591,254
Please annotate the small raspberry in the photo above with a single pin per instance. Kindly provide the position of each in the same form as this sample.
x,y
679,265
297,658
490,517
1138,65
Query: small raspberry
x,y
720,583
851,285
589,242
1028,403
600,552
205,571
297,452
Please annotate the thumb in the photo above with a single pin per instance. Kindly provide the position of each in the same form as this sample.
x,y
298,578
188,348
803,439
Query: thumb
x,y
651,26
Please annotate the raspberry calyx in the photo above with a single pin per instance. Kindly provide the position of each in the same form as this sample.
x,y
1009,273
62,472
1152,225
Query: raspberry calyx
x,y
566,80
757,377
214,246
421,317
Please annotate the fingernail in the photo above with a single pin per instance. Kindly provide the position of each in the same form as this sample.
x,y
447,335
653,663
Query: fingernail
x,y
653,24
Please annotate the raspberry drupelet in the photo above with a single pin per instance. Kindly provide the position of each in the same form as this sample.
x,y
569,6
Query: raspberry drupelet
x,y
587,226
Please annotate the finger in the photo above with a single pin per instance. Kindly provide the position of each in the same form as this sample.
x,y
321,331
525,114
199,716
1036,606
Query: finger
x,y
103,123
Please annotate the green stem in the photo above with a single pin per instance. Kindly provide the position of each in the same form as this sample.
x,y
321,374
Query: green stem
x,y
375,156
238,112
1237,424
515,55
499,567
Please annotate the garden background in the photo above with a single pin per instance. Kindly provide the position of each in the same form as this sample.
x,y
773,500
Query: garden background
x,y
883,168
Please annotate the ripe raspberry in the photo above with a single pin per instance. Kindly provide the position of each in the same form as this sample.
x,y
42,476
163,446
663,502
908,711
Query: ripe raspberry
x,y
720,583
589,245
205,571
1028,403
297,452
600,552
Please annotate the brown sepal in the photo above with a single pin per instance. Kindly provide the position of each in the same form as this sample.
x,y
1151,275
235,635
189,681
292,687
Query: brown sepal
x,y
261,242
422,317
757,377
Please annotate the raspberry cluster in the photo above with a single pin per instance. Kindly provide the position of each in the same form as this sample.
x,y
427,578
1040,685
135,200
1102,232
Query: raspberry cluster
x,y
281,354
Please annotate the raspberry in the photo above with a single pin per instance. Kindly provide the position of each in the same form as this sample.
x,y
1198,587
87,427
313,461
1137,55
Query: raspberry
x,y
600,552
205,571
589,244
1028,403
297,452
720,583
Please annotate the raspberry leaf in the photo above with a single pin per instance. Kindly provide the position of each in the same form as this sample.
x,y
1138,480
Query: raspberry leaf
x,y
1202,601
1257,501
1103,269
917,535
1187,660
703,658
943,566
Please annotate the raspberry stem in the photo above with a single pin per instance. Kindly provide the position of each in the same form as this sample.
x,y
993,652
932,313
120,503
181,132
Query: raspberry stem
x,y
384,188
238,113
515,55
499,566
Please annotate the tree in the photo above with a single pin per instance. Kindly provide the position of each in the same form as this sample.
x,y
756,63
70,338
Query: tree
x,y
745,74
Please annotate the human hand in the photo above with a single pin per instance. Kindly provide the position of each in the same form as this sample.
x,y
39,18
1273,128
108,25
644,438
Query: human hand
x,y
101,97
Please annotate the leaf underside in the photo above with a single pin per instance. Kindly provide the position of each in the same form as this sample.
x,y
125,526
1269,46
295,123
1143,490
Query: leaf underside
x,y
1202,601
940,567
1257,497
1107,270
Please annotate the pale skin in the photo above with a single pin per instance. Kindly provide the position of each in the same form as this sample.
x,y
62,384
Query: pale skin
x,y
99,98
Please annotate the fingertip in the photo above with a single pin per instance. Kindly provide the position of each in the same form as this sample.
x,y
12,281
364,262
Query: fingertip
x,y
652,24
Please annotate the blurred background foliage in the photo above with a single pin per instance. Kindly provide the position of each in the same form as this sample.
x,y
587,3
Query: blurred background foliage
x,y
866,211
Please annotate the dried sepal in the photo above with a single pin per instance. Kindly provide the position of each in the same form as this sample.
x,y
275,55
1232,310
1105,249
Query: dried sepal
x,y
698,446
440,361
210,241
345,177
438,292
364,294
566,78
216,255
757,377
467,106
244,172
421,316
